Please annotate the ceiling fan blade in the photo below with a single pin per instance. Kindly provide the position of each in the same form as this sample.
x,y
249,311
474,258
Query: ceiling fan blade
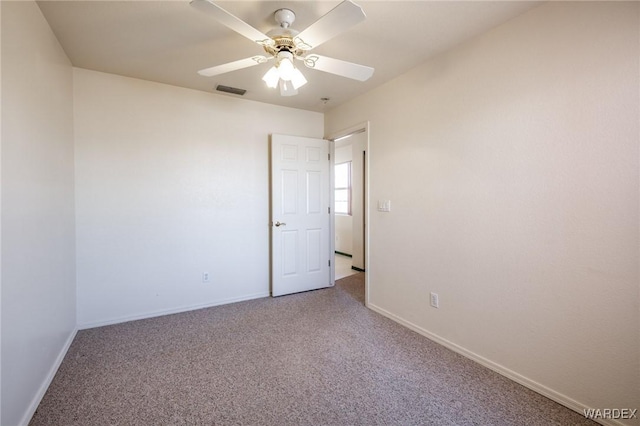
x,y
231,21
338,67
233,66
336,21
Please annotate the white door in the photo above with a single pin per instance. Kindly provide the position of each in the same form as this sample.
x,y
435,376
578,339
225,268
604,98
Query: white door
x,y
300,216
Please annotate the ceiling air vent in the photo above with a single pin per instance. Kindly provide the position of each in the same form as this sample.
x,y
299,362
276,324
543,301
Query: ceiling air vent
x,y
233,90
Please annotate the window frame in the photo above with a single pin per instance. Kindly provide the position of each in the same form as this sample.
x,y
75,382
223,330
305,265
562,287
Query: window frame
x,y
348,188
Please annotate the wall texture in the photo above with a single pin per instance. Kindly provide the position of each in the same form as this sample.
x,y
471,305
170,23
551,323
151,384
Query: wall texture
x,y
171,183
38,243
512,165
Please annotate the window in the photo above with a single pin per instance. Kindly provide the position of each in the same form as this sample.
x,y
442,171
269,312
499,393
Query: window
x,y
343,188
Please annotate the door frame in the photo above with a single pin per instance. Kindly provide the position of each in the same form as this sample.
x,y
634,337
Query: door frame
x,y
356,128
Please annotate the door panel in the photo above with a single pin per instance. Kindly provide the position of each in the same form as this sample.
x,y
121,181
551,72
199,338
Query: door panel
x,y
289,252
289,192
314,195
300,196
314,250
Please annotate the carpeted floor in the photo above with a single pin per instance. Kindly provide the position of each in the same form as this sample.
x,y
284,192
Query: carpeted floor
x,y
316,358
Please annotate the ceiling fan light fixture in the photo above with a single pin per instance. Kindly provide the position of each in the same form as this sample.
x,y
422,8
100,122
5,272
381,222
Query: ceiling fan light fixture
x,y
271,77
285,74
297,79
286,69
287,89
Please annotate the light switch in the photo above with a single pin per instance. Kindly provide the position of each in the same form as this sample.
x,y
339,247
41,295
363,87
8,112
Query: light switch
x,y
384,205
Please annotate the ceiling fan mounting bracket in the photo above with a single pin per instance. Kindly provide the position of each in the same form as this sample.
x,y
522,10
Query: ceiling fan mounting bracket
x,y
284,37
284,17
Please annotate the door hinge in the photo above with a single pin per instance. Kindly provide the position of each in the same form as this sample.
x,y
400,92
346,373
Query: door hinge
x,y
329,157
329,263
329,210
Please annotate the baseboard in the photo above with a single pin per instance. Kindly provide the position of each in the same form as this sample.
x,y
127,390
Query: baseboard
x,y
177,310
343,254
47,381
355,268
510,374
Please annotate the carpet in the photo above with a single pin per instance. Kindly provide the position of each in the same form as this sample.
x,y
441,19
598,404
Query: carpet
x,y
314,358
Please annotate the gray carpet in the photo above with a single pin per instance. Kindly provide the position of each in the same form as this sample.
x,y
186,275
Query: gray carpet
x,y
316,358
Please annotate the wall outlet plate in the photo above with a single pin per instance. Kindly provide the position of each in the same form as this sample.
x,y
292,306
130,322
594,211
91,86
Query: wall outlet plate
x,y
434,300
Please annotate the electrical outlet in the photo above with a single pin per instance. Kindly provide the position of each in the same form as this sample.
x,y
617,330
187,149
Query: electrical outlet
x,y
205,277
434,300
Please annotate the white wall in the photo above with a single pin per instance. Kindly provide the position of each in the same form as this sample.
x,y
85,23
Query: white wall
x,y
512,165
344,227
171,183
38,254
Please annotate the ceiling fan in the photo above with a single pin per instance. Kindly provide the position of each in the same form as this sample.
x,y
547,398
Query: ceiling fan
x,y
285,45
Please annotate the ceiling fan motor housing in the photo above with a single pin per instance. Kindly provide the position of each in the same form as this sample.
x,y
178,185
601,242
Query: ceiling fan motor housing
x,y
283,36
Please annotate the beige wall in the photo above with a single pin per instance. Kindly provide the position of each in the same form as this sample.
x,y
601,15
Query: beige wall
x,y
171,183
511,163
38,244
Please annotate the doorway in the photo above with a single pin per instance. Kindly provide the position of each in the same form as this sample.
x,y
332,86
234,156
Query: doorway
x,y
350,148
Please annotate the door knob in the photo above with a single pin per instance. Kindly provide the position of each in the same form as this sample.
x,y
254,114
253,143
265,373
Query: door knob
x,y
279,224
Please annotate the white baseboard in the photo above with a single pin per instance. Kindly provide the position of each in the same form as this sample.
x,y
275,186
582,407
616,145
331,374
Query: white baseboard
x,y
524,381
177,310
47,381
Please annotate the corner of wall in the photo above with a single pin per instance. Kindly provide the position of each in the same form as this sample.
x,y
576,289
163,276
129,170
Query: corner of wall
x,y
33,406
38,227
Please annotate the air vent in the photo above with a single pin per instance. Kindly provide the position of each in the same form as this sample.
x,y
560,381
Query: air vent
x,y
233,90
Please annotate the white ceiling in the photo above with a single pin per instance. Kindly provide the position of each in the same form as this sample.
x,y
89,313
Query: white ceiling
x,y
169,41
